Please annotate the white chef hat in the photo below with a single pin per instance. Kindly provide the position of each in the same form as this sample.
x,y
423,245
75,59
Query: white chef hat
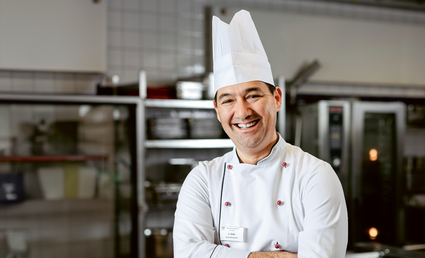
x,y
238,54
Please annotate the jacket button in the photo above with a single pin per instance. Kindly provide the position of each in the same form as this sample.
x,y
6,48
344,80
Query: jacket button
x,y
226,245
229,166
276,246
284,164
227,203
279,202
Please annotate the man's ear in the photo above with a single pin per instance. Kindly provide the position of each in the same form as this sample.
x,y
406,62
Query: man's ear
x,y
278,97
216,110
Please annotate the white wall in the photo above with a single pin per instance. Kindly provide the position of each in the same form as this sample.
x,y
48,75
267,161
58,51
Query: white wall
x,y
350,49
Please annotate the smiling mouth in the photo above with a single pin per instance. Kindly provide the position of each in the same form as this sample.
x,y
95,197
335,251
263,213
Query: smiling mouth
x,y
248,125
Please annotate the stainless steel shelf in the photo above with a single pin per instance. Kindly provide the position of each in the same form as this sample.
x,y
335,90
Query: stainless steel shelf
x,y
42,207
179,103
51,158
162,206
190,144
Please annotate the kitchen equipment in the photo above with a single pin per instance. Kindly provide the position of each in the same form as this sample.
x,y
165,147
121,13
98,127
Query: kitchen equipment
x,y
52,182
70,180
132,89
159,242
62,137
17,243
389,250
323,131
205,128
11,188
415,173
209,84
167,128
363,255
416,115
167,192
189,90
363,143
86,182
95,134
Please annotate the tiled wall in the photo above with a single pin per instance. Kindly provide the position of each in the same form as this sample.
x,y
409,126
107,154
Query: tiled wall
x,y
166,37
48,82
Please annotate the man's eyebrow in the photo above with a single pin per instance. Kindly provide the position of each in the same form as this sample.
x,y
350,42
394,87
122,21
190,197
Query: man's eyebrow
x,y
257,89
246,91
222,96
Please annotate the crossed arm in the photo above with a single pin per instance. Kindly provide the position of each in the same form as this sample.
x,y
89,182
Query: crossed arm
x,y
194,235
272,255
325,223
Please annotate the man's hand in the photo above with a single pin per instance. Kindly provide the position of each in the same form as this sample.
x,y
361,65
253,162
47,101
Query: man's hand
x,y
272,254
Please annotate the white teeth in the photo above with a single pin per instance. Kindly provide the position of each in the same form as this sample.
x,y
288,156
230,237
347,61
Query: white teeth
x,y
243,126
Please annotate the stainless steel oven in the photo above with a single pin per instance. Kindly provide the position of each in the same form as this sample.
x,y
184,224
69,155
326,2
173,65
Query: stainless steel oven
x,y
324,130
363,143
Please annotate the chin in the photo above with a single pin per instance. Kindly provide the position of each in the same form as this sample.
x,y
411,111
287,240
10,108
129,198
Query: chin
x,y
250,142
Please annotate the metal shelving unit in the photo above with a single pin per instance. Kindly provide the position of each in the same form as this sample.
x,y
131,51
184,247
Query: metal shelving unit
x,y
159,149
46,158
185,143
190,144
170,144
139,104
179,103
50,208
197,104
81,207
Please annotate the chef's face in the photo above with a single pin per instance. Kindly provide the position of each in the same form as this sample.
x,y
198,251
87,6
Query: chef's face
x,y
247,112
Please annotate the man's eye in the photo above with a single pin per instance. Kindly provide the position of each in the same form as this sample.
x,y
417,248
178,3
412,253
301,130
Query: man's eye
x,y
227,101
253,96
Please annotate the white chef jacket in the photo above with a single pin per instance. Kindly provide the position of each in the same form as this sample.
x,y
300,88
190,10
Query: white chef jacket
x,y
289,200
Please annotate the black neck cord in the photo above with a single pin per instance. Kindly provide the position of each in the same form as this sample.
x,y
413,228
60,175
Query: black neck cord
x,y
221,204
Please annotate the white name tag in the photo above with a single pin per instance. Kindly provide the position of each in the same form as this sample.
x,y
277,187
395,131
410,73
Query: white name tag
x,y
236,234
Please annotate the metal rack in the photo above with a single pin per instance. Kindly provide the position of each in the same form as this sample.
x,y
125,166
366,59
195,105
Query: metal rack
x,y
190,144
140,104
198,104
186,143
134,103
194,144
165,144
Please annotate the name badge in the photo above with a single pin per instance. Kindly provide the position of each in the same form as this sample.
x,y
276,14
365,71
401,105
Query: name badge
x,y
235,234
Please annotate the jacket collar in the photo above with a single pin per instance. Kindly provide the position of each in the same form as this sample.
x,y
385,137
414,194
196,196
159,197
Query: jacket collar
x,y
280,144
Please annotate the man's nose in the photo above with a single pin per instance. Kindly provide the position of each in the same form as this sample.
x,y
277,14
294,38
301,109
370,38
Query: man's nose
x,y
242,110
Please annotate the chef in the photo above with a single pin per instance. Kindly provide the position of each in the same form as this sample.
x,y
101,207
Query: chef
x,y
266,198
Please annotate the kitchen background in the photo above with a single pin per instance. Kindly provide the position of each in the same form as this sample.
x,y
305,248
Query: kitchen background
x,y
167,39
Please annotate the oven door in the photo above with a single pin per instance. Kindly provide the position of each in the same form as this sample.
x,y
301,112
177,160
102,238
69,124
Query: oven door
x,y
376,174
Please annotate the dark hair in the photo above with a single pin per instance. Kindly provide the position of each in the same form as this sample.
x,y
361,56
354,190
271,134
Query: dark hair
x,y
271,89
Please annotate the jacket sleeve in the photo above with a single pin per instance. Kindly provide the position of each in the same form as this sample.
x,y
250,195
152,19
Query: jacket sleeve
x,y
194,232
325,232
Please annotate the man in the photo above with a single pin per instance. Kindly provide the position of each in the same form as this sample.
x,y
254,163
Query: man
x,y
266,198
